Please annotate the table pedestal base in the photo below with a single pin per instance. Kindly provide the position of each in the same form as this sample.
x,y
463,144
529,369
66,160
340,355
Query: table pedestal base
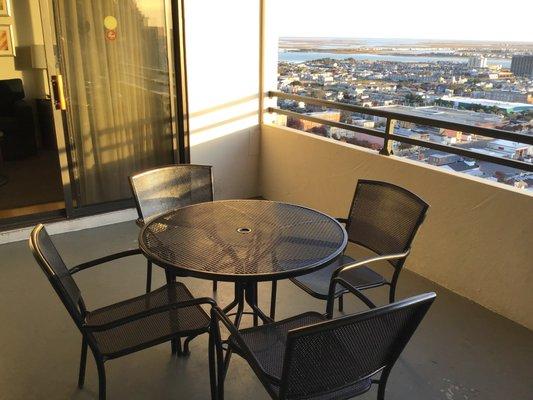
x,y
246,293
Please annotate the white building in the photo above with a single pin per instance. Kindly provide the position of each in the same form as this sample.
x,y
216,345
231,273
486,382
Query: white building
x,y
477,62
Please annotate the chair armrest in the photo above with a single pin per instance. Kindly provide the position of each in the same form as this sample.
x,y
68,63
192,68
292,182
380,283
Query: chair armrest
x,y
102,260
370,260
337,278
218,315
152,311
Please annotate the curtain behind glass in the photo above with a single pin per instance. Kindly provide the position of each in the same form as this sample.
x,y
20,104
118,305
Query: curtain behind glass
x,y
117,93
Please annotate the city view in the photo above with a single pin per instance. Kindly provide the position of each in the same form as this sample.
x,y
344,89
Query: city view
x,y
480,83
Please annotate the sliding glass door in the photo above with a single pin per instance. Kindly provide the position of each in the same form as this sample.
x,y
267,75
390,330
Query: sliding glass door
x,y
116,62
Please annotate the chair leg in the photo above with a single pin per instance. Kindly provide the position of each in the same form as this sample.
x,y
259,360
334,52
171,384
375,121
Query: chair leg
x,y
148,276
186,352
101,378
393,283
175,345
215,286
273,295
221,375
383,383
212,367
83,363
341,303
392,293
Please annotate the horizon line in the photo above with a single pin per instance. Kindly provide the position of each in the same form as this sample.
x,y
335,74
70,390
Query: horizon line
x,y
405,38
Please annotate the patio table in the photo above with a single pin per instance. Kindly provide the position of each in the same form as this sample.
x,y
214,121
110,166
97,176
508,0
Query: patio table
x,y
243,241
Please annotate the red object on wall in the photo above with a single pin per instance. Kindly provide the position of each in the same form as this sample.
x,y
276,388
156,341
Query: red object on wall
x,y
110,34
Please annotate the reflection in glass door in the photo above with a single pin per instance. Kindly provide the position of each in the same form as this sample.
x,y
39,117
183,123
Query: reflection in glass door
x,y
115,61
30,173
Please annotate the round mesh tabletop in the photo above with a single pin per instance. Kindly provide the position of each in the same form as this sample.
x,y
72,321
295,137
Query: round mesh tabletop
x,y
236,240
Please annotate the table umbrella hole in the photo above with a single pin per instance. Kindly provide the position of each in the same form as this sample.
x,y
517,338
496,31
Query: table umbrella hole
x,y
244,230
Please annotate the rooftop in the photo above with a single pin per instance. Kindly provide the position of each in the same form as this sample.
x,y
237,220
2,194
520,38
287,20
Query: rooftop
x,y
447,114
504,105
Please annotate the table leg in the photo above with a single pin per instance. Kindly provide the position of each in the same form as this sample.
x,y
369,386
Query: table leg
x,y
239,302
251,300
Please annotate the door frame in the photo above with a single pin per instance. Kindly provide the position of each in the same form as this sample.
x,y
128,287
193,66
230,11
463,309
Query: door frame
x,y
178,101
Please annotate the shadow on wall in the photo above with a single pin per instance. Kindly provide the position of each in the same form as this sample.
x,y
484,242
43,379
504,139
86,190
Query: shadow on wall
x,y
28,32
223,119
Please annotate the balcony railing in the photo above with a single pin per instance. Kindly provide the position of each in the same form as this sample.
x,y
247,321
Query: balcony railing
x,y
389,136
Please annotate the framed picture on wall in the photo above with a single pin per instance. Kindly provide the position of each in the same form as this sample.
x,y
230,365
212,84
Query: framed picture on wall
x,y
5,10
6,41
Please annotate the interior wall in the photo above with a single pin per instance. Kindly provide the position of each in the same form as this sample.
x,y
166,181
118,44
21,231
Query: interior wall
x,y
222,45
475,241
27,30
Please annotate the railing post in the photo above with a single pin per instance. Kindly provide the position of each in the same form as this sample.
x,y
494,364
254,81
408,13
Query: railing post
x,y
386,150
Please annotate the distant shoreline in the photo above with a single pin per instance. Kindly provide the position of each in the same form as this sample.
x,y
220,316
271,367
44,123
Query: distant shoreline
x,y
374,51
309,43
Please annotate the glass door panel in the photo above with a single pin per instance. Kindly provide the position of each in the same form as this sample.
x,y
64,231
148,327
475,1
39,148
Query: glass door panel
x,y
114,56
30,172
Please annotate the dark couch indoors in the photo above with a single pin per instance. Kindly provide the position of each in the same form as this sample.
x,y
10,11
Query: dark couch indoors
x,y
16,121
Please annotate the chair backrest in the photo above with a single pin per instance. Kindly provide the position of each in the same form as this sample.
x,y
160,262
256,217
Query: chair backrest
x,y
56,271
163,189
340,353
384,217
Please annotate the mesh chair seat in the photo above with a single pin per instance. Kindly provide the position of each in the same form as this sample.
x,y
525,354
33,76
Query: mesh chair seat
x,y
267,342
317,283
152,329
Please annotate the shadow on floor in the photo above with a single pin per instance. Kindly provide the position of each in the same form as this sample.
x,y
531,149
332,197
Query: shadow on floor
x,y
460,352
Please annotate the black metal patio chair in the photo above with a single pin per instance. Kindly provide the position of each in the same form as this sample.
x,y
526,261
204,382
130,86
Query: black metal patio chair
x,y
311,356
384,218
165,314
163,189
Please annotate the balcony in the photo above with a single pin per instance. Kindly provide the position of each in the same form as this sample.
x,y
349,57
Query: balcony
x,y
462,350
474,249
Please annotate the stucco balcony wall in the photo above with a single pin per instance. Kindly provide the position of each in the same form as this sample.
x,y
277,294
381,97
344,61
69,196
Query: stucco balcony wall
x,y
476,240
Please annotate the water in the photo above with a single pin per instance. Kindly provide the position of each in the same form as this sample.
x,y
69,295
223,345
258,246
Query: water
x,y
298,57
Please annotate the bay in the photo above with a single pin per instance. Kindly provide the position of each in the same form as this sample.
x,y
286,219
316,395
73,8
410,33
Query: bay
x,y
298,57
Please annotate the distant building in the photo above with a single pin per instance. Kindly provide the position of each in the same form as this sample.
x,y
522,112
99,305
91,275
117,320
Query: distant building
x,y
509,149
455,136
470,168
511,96
503,105
477,62
365,123
356,137
334,116
439,159
522,65
446,114
505,74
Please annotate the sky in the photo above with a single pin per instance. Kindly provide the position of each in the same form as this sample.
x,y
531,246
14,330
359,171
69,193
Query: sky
x,y
492,20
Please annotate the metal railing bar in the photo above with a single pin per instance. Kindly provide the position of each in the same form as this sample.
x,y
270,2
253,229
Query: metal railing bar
x,y
508,162
488,132
416,142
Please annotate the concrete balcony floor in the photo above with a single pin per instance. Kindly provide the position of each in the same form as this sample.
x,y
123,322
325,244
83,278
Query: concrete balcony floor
x,y
461,350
